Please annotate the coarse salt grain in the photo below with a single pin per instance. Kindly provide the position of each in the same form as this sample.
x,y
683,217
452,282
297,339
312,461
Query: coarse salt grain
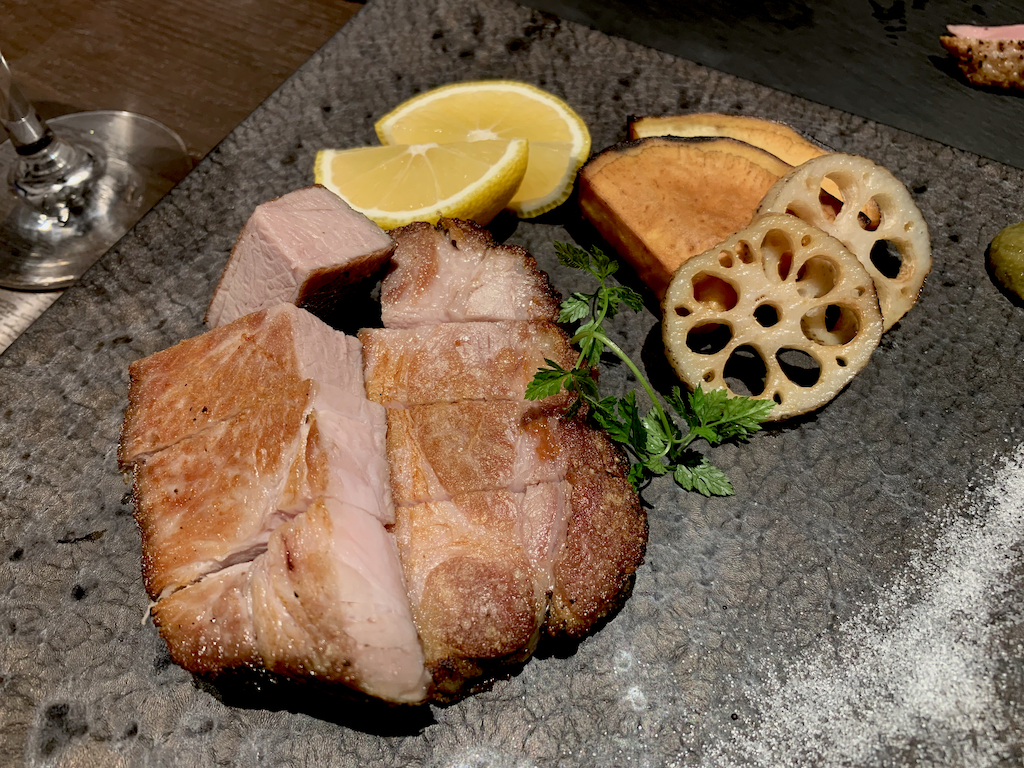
x,y
912,680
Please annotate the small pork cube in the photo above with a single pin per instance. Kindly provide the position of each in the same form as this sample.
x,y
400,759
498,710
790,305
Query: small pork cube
x,y
302,248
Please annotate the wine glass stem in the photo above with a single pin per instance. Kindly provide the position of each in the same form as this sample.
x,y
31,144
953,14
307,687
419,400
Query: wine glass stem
x,y
51,175
28,132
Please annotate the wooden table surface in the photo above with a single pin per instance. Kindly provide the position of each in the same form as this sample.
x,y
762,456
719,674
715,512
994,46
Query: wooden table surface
x,y
199,66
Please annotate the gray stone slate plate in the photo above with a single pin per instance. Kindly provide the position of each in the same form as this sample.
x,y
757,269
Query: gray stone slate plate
x,y
824,615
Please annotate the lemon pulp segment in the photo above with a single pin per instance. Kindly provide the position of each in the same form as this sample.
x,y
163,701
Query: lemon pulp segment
x,y
395,185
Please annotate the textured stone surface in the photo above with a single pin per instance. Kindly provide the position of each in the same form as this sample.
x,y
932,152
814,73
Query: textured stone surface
x,y
824,514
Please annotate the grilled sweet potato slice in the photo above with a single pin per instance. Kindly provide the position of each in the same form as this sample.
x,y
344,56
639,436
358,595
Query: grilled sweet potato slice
x,y
777,138
660,201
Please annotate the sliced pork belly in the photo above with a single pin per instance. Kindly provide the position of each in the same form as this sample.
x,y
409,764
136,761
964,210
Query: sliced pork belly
x,y
303,248
261,492
212,499
213,377
475,595
329,600
208,626
456,273
442,450
325,601
459,361
510,517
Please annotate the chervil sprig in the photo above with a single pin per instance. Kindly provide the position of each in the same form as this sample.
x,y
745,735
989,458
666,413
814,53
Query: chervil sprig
x,y
653,439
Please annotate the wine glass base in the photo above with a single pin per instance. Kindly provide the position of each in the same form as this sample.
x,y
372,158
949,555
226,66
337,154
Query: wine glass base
x,y
140,160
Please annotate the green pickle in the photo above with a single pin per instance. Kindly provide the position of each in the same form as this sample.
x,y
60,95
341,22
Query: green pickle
x,y
1006,258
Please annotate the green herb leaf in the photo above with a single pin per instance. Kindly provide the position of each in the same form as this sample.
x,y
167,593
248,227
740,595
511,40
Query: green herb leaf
x,y
547,381
570,255
703,478
654,440
574,308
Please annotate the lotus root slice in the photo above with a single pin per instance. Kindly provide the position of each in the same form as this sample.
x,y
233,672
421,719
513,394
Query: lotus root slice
x,y
894,249
780,310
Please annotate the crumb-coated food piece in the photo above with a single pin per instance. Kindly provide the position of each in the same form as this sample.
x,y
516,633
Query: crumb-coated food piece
x,y
990,57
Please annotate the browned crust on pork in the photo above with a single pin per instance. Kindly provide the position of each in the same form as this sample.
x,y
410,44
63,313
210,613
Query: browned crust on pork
x,y
606,540
988,63
468,234
220,634
484,609
201,381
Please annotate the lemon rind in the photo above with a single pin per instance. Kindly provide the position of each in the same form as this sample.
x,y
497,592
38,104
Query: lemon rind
x,y
580,134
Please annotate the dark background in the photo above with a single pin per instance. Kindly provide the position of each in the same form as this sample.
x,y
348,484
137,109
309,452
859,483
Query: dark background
x,y
879,59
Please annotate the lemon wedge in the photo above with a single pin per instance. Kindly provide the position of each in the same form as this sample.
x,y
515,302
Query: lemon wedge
x,y
396,185
500,109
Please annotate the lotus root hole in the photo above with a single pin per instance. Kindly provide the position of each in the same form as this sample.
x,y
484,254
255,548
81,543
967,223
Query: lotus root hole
x,y
777,397
725,259
887,258
807,240
766,315
713,291
831,325
682,311
744,252
869,218
777,251
816,277
745,372
908,227
798,366
841,362
709,338
708,376
830,206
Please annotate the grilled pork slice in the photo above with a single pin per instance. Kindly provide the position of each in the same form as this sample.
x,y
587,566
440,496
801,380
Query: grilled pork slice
x,y
213,377
325,601
212,499
511,518
441,450
303,248
456,273
476,597
261,491
459,361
